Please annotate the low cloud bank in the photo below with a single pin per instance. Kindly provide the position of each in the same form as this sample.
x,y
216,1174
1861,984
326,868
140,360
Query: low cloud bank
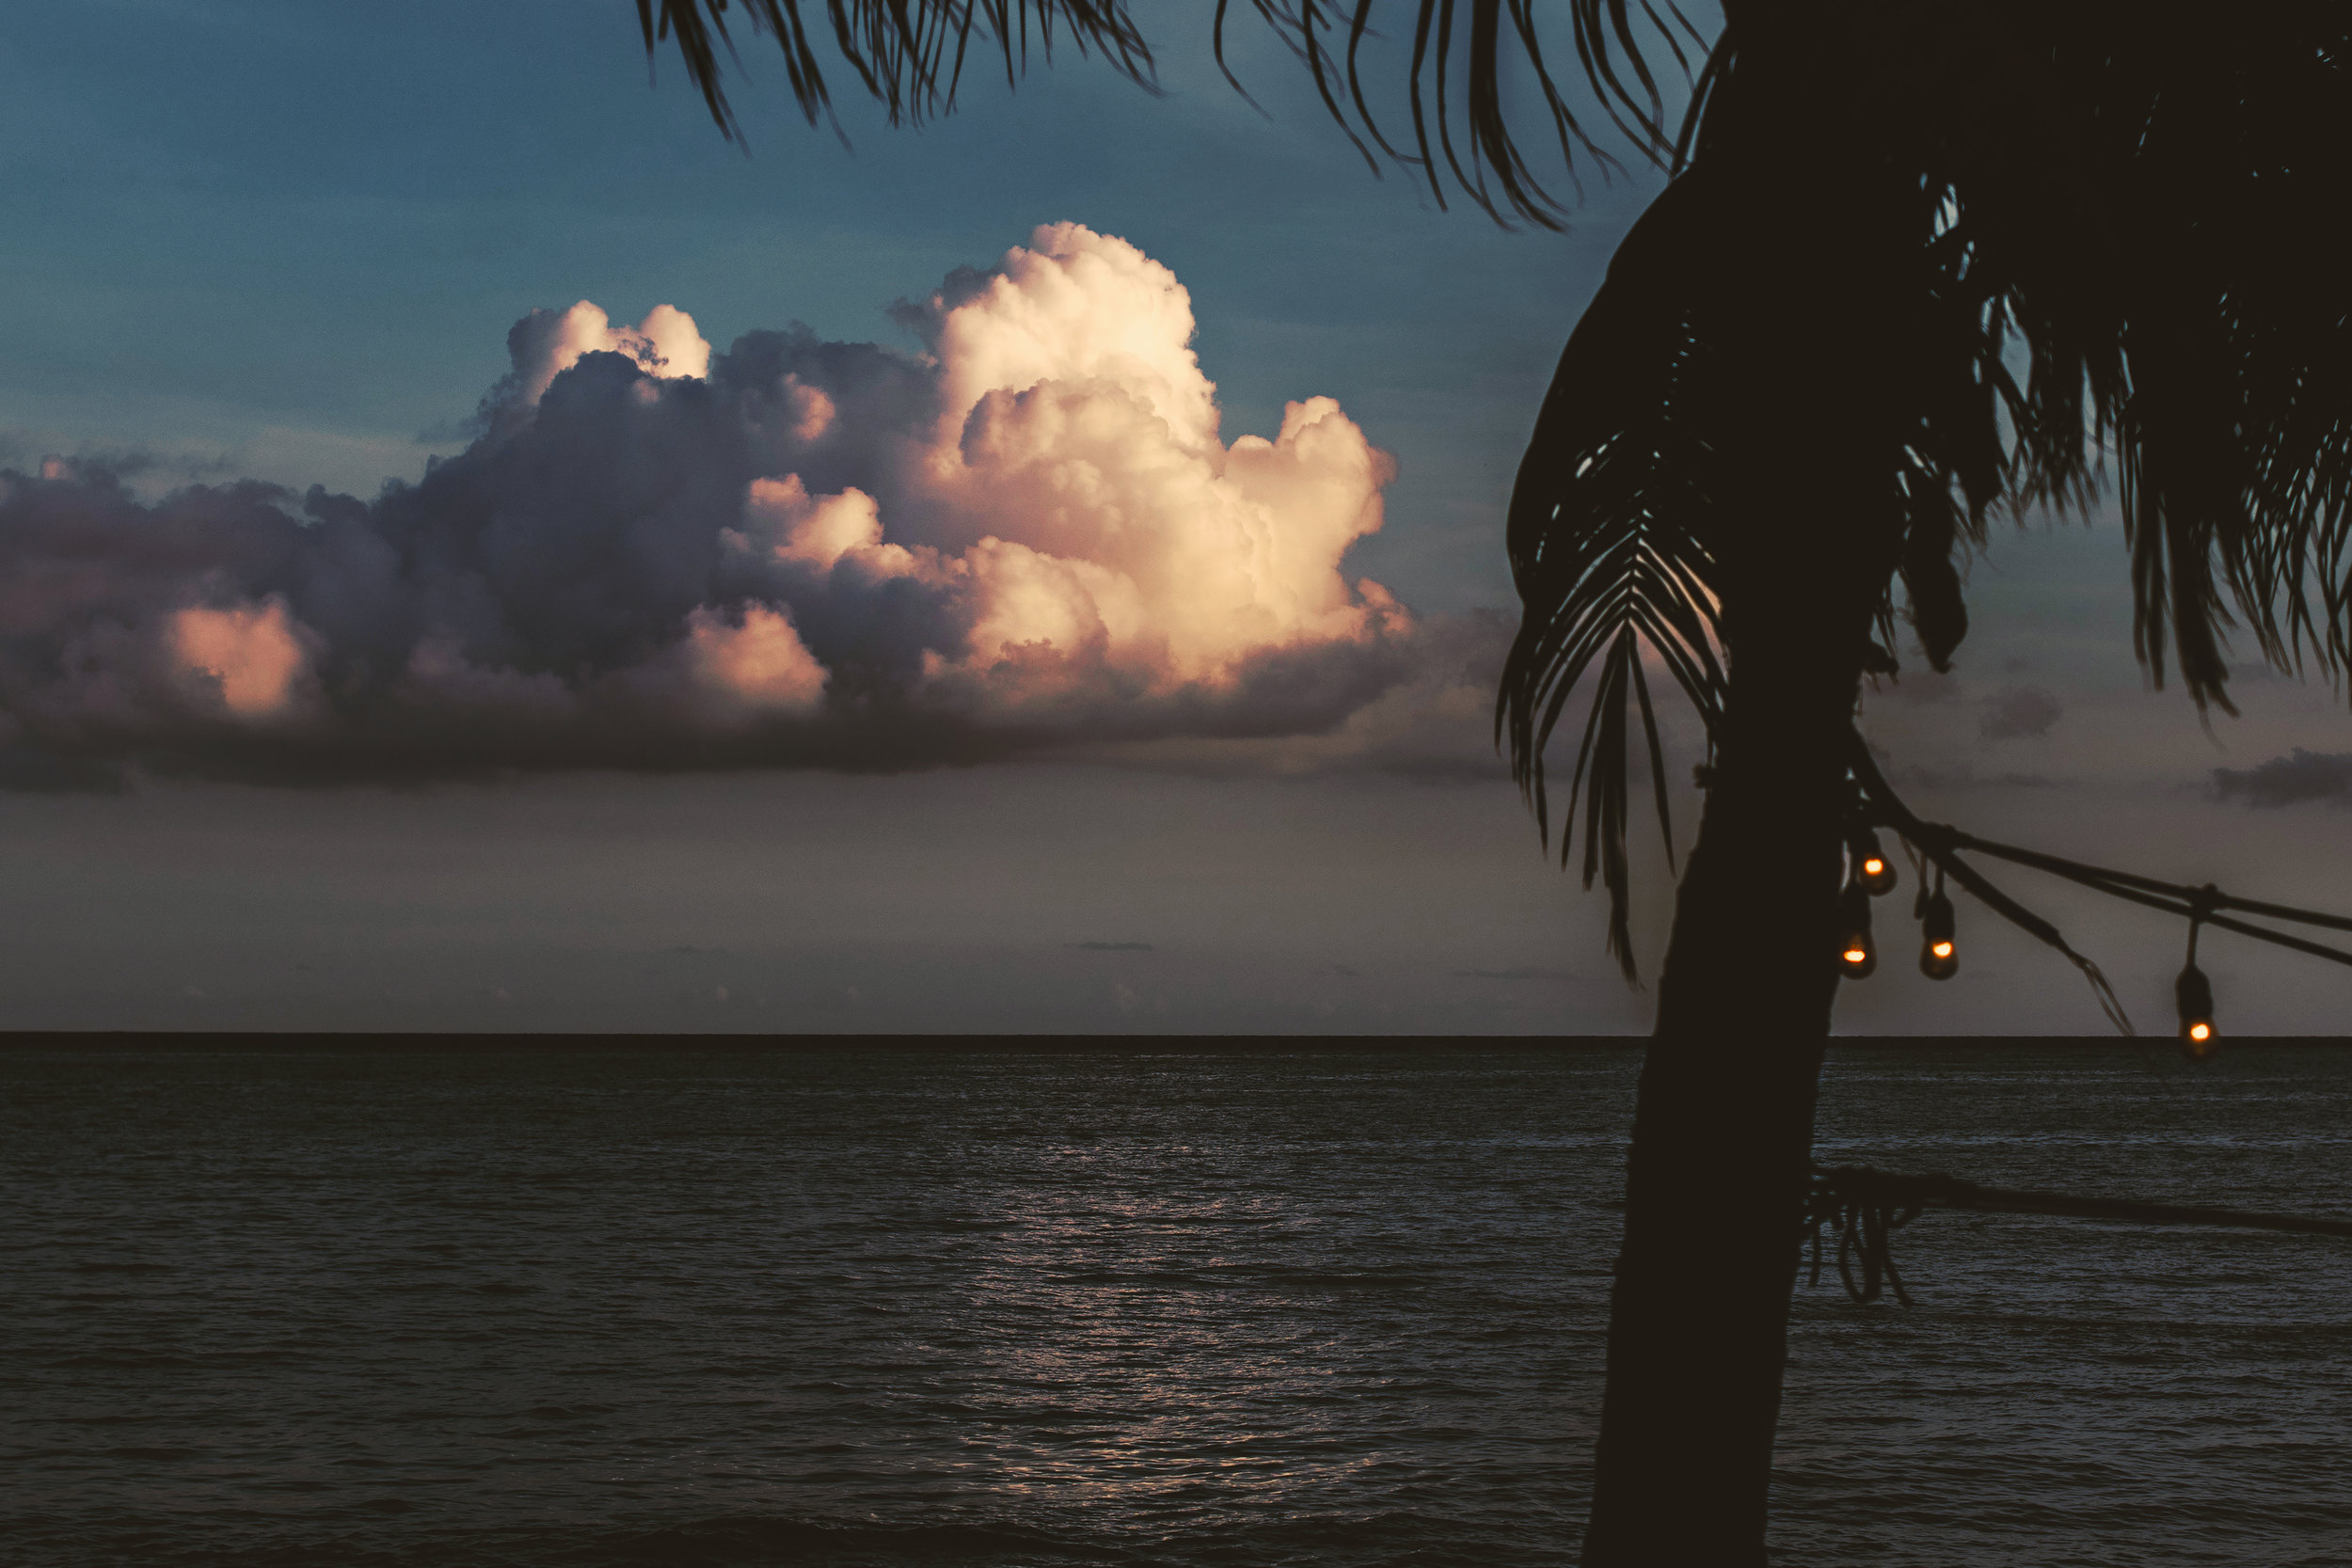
x,y
793,552
2019,712
2301,775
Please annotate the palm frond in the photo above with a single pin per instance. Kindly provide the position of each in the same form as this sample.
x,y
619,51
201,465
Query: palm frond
x,y
909,55
1474,41
2143,208
2239,418
1608,544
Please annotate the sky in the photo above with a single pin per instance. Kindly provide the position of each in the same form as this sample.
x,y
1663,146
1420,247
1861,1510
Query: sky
x,y
1039,572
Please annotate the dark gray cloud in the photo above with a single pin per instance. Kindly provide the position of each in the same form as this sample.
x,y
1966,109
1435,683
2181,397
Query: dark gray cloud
x,y
1112,946
2301,775
115,462
2017,712
1522,973
794,553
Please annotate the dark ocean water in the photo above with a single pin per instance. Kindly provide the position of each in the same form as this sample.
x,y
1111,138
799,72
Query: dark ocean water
x,y
1216,1311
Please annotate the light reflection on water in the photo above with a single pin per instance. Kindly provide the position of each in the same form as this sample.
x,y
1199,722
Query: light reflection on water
x,y
1339,1308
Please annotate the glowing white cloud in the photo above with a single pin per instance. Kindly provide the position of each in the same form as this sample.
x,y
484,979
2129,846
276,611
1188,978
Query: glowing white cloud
x,y
760,661
813,533
546,344
795,552
1076,307
1079,441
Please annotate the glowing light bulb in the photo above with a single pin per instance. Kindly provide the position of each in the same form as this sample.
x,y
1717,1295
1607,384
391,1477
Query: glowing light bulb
x,y
1939,958
1871,867
2194,994
1854,949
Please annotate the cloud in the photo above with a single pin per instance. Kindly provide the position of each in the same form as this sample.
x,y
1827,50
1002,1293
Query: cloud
x,y
1432,724
2019,711
1520,974
116,463
791,553
1112,946
1917,682
2301,775
248,655
546,344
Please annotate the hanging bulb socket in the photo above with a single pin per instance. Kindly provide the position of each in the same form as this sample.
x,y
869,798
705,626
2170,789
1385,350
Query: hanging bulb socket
x,y
1856,955
2192,990
1871,867
1939,955
2194,994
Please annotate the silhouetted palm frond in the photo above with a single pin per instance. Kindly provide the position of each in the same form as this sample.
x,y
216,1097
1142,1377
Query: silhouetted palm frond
x,y
909,55
2140,207
1608,538
2093,233
1478,36
2237,423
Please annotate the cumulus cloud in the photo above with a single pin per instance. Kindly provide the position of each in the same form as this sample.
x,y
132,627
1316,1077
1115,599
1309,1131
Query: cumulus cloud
x,y
2301,775
793,552
546,344
2019,711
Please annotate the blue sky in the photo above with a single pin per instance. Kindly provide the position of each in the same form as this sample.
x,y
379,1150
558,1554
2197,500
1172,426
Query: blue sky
x,y
296,235
286,242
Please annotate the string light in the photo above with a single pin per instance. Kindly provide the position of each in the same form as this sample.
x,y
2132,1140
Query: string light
x,y
1939,843
1872,869
1938,955
1857,956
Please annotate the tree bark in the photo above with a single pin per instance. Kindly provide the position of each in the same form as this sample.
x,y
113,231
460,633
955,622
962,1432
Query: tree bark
x,y
1804,322
1804,317
1723,1127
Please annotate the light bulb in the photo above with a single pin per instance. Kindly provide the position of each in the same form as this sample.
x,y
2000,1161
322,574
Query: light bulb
x,y
1939,958
2194,994
1872,869
1854,952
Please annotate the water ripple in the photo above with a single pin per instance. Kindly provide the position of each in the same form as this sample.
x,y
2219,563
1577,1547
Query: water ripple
x,y
1164,1311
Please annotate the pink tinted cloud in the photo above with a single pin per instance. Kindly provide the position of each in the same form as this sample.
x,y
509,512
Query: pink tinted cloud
x,y
791,553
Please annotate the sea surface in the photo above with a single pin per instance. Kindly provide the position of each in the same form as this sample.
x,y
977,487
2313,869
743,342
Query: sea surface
x,y
1152,1308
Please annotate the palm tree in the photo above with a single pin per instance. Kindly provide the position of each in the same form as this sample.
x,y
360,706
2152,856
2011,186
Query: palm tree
x,y
1917,262
1914,265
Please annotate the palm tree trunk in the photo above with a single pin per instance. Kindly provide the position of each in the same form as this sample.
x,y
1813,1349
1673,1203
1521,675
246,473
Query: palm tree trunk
x,y
1722,1129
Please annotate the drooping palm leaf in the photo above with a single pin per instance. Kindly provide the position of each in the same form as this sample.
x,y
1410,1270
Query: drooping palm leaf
x,y
2238,418
1607,538
2144,206
1460,55
908,55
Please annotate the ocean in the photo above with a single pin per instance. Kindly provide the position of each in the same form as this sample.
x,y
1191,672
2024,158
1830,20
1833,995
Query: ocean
x,y
1155,1306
